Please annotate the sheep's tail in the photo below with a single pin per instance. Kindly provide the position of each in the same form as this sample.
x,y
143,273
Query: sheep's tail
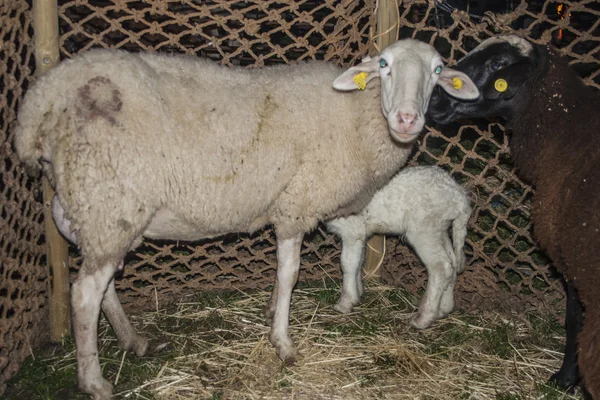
x,y
39,116
459,234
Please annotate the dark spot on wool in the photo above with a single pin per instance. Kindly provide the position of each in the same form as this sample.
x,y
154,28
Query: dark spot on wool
x,y
124,225
99,98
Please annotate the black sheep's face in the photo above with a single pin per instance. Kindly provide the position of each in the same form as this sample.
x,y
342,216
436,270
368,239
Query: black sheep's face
x,y
498,67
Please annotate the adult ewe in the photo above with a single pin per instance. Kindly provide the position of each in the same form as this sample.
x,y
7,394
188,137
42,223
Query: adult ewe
x,y
420,203
171,147
555,122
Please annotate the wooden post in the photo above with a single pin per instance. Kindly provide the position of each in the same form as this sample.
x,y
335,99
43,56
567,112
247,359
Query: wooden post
x,y
387,33
45,25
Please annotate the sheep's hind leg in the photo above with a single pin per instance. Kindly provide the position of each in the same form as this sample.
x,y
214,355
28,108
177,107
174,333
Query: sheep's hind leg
x,y
129,339
288,265
352,289
86,297
271,304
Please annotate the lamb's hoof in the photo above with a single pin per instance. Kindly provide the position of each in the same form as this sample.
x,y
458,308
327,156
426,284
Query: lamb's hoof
x,y
343,308
443,314
566,380
100,389
137,344
422,322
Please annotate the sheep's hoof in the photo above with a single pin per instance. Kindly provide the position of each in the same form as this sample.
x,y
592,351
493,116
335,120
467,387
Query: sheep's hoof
x,y
566,380
137,344
288,356
343,308
285,349
99,388
422,322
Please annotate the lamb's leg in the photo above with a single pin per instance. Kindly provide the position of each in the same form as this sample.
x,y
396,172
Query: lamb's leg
x,y
129,339
87,293
568,374
288,265
352,288
447,302
440,272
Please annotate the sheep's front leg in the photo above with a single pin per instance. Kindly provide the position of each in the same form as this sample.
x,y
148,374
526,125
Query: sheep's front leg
x,y
129,339
87,293
568,375
288,265
352,288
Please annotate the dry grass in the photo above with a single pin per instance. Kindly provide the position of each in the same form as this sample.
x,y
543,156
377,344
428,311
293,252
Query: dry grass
x,y
215,347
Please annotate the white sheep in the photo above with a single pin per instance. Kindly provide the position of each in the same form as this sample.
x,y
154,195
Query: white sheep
x,y
420,203
173,147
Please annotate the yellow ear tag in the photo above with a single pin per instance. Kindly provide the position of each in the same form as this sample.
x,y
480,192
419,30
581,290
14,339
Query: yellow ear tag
x,y
457,83
361,80
500,85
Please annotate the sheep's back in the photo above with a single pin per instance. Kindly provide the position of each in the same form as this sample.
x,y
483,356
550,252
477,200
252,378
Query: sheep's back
x,y
213,144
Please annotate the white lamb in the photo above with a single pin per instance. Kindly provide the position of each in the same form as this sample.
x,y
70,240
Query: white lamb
x,y
173,147
421,203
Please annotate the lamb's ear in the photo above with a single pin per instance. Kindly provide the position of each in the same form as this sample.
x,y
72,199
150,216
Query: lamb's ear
x,y
357,77
457,84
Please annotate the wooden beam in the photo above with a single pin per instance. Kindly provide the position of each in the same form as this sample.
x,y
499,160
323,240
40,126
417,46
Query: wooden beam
x,y
387,22
387,33
45,25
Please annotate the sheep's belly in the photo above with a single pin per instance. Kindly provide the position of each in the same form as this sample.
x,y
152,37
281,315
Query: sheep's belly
x,y
166,225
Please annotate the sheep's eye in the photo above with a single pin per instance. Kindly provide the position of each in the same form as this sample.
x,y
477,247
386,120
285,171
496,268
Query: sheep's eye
x,y
438,70
496,65
383,63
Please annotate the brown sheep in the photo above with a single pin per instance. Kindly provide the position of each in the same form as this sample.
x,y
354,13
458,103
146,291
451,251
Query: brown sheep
x,y
555,123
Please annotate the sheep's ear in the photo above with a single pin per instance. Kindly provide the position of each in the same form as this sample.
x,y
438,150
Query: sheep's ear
x,y
457,84
357,77
506,82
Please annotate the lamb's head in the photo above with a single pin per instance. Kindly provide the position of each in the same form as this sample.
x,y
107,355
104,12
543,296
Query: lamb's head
x,y
407,70
500,67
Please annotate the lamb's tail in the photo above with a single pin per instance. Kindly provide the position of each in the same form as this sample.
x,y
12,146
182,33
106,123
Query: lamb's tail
x,y
459,234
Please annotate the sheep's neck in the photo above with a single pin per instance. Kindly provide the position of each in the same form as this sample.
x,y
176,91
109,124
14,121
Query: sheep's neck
x,y
550,124
379,156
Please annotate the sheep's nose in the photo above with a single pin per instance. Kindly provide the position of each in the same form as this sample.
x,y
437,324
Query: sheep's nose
x,y
406,118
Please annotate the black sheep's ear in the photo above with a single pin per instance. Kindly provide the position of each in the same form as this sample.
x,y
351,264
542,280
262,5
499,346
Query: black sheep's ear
x,y
505,83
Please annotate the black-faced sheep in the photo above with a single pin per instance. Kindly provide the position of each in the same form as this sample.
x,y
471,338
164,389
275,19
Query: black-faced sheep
x,y
555,120
171,147
420,203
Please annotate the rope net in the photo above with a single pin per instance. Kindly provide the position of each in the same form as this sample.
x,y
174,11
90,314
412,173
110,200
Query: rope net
x,y
251,34
23,276
506,269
